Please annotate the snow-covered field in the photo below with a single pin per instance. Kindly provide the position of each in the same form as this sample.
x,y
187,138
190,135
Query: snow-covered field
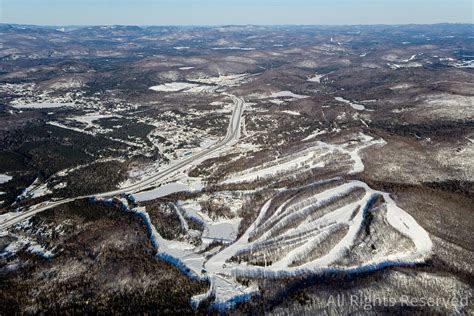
x,y
174,87
233,48
45,105
287,94
164,190
355,106
5,178
89,118
291,112
201,85
35,190
314,135
317,233
316,78
314,157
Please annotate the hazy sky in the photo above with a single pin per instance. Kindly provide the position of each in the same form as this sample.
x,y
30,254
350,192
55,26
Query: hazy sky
x,y
161,12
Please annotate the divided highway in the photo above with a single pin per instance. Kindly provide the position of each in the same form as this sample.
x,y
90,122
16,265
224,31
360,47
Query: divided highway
x,y
232,136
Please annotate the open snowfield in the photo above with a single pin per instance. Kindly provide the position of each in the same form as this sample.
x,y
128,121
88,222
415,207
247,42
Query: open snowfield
x,y
35,190
287,94
174,87
5,178
316,78
161,191
355,106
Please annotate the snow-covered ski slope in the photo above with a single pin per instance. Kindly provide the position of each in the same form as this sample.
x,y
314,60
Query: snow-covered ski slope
x,y
333,225
330,225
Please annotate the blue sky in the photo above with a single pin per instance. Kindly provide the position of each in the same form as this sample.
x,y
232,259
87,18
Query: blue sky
x,y
210,12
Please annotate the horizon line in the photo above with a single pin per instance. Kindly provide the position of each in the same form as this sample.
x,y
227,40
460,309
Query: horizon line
x,y
231,25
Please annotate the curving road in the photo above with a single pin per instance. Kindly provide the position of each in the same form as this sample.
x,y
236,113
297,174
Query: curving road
x,y
232,136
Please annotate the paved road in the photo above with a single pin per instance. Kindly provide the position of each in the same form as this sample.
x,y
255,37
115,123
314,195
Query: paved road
x,y
232,136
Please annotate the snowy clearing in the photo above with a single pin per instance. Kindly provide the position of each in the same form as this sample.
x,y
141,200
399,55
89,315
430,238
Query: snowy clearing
x,y
35,190
174,87
5,178
160,192
287,94
316,156
316,78
229,80
355,106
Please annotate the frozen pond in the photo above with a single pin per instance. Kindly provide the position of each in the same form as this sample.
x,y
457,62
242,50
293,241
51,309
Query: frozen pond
x,y
221,231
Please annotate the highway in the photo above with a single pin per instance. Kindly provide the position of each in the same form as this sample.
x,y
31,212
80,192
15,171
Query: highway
x,y
231,137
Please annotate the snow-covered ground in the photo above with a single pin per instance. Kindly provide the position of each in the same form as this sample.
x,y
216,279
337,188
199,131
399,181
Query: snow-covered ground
x,y
355,106
287,94
89,118
5,178
45,105
305,230
314,135
174,87
312,157
278,230
283,239
316,78
35,190
202,85
159,192
25,242
224,230
228,80
291,112
233,48
396,66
